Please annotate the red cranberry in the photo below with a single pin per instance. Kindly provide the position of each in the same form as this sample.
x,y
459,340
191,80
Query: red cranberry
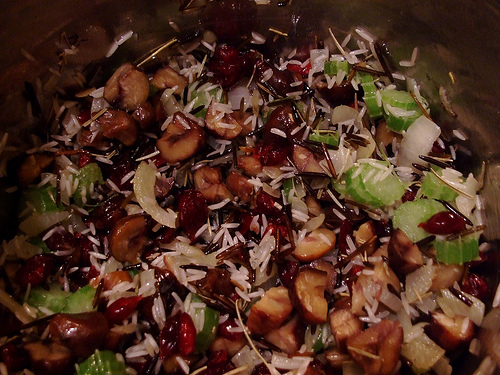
x,y
288,270
178,336
271,154
265,204
14,358
219,363
187,335
229,66
36,270
410,194
193,212
225,330
84,159
121,309
476,286
444,222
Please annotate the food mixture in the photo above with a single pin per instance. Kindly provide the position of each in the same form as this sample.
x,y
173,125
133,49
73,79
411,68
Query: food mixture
x,y
238,209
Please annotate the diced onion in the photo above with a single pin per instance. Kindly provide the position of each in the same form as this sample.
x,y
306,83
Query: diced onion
x,y
452,306
144,189
418,140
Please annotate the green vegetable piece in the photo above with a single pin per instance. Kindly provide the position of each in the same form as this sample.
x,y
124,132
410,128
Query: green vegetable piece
x,y
102,363
41,199
202,99
370,96
331,139
80,301
457,251
210,325
373,183
333,67
400,109
53,299
288,185
409,215
87,175
434,188
37,241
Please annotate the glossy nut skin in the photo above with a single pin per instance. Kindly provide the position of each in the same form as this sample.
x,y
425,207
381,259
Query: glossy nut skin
x,y
50,358
127,238
127,88
82,333
116,124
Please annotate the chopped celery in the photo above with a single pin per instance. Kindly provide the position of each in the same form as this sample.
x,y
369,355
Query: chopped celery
x,y
288,186
400,109
457,251
333,67
41,199
53,299
102,363
37,241
370,96
80,301
210,323
331,139
433,188
87,175
422,353
202,97
372,183
409,215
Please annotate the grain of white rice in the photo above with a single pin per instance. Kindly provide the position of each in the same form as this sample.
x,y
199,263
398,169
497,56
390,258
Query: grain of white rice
x,y
267,75
350,244
457,133
257,38
496,299
475,347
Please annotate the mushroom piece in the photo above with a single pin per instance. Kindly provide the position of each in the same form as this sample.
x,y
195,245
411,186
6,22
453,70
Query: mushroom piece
x,y
270,312
127,238
208,181
377,348
50,359
119,125
221,123
83,333
182,139
167,77
127,88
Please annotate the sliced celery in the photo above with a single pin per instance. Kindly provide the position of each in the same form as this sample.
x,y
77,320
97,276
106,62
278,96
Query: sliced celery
x,y
400,109
409,215
41,199
333,67
210,324
102,363
53,299
87,175
80,301
331,139
434,188
203,98
457,251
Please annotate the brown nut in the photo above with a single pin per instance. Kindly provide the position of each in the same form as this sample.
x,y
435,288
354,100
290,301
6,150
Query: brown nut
x,y
208,181
119,125
308,295
305,160
82,333
450,333
127,88
182,139
270,312
221,124
316,244
127,238
289,337
251,166
404,256
377,348
50,359
166,77
239,186
344,324
32,167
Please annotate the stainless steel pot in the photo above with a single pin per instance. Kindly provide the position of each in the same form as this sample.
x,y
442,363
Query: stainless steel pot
x,y
457,40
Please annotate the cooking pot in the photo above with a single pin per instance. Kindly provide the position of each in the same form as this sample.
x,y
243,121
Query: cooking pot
x,y
458,52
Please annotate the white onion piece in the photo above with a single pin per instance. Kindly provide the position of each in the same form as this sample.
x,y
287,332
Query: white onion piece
x,y
144,189
169,103
417,140
38,222
452,306
234,96
366,152
344,113
419,282
314,223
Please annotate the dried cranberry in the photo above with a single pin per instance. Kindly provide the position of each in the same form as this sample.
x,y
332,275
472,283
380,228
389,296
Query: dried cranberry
x,y
83,116
345,230
302,70
383,228
14,358
219,363
279,81
226,330
122,165
168,284
121,309
36,270
445,222
476,286
260,369
229,66
266,204
287,271
410,194
277,224
61,241
164,235
271,154
337,94
187,335
245,220
84,159
437,148
193,212
178,336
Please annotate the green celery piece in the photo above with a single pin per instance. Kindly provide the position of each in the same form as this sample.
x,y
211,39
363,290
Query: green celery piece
x,y
80,301
91,173
41,199
288,185
365,190
333,67
457,251
331,139
409,215
402,100
210,325
53,299
37,241
433,188
102,362
201,99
